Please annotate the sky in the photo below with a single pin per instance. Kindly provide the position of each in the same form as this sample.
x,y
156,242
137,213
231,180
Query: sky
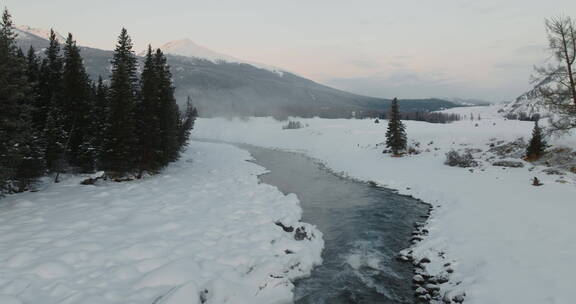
x,y
409,49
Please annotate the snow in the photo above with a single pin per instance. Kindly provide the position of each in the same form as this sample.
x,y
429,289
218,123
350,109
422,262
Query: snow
x,y
203,230
188,48
23,30
507,241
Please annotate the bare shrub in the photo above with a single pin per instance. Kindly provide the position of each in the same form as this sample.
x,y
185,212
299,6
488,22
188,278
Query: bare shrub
x,y
464,160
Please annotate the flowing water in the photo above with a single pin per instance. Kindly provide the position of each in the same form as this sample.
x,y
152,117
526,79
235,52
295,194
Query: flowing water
x,y
364,228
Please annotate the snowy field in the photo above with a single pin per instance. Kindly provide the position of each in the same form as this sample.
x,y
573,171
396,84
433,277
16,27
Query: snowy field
x,y
202,231
507,241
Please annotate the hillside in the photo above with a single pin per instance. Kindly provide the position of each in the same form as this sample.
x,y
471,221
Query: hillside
x,y
222,86
528,104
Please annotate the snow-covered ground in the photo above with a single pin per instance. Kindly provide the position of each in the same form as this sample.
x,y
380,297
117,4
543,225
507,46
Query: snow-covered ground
x,y
202,231
507,241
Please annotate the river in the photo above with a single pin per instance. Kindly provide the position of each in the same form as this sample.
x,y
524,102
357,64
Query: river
x,y
364,228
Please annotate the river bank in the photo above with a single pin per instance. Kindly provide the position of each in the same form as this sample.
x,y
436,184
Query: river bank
x,y
505,240
202,231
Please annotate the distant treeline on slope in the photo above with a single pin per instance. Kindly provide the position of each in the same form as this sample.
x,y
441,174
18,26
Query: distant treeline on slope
x,y
54,119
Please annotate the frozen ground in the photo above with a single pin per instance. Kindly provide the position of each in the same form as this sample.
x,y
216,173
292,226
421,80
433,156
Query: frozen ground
x,y
202,231
507,241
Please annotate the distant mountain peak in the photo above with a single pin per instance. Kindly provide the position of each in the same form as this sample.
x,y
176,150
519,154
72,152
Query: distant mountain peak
x,y
39,32
187,48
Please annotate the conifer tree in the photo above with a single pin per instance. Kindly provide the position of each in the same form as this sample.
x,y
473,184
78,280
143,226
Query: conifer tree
x,y
120,148
33,73
49,82
149,112
31,163
537,144
19,146
187,123
100,118
158,115
169,112
76,106
56,140
396,134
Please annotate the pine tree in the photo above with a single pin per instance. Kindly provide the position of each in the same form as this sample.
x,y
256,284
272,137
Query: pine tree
x,y
121,143
158,115
169,114
18,145
33,73
31,159
56,140
99,119
396,134
76,105
149,112
537,144
187,124
50,80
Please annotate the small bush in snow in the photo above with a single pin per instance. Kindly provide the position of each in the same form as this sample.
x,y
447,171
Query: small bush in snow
x,y
292,125
413,150
464,160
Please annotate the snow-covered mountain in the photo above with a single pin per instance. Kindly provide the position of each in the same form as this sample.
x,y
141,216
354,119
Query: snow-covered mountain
x,y
188,48
25,32
219,84
529,103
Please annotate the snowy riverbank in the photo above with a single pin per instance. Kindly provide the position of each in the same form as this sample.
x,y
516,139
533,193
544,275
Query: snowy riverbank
x,y
507,241
204,229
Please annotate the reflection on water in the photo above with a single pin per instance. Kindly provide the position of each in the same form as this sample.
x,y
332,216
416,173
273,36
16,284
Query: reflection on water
x,y
364,228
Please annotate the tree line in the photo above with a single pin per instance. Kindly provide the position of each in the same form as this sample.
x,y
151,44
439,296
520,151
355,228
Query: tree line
x,y
431,117
54,119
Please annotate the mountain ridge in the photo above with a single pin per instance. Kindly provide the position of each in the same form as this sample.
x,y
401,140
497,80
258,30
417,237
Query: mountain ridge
x,y
224,88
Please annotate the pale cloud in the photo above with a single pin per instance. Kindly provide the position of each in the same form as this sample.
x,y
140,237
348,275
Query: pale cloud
x,y
365,64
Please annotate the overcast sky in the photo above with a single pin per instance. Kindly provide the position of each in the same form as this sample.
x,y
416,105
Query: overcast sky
x,y
482,49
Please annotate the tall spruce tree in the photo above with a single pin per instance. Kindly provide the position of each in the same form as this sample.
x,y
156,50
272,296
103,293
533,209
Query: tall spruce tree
x,y
169,113
396,133
49,116
76,106
100,119
56,139
149,118
50,81
537,144
33,72
187,124
158,115
19,145
121,142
